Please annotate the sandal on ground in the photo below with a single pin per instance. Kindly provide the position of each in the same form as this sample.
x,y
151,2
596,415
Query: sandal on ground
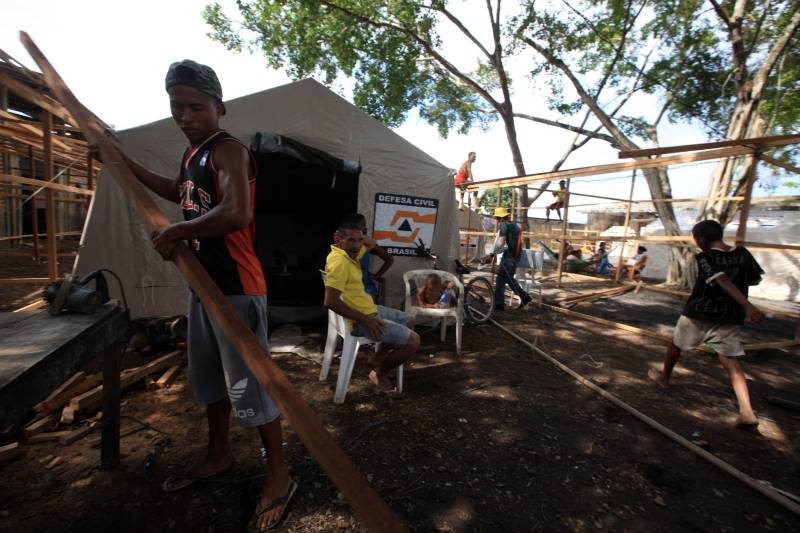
x,y
284,500
178,482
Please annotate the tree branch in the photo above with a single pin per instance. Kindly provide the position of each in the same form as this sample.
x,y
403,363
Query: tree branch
x,y
575,129
460,25
621,139
422,42
759,26
652,81
777,50
721,14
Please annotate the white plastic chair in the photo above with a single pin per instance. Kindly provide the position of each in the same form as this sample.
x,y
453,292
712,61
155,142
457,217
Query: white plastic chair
x,y
526,266
338,327
456,312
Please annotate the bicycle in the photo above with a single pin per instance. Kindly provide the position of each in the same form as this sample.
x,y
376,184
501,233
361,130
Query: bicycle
x,y
478,292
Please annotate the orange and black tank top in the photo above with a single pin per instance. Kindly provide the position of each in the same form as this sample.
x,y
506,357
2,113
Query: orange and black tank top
x,y
230,259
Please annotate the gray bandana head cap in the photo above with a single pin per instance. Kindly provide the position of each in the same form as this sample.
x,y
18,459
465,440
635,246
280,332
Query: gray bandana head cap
x,y
196,76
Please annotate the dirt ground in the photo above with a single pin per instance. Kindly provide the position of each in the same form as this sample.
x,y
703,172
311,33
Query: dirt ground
x,y
493,440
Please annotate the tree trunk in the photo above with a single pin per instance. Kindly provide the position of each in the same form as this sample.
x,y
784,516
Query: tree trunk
x,y
519,165
722,181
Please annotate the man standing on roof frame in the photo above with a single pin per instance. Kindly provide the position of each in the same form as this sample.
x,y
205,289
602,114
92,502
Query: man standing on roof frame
x,y
215,188
464,177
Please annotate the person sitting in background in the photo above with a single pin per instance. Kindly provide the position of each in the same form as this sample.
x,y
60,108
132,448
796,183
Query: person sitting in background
x,y
435,294
574,254
601,256
370,278
637,263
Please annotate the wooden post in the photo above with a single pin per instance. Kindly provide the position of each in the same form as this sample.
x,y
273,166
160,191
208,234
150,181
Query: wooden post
x,y
89,178
625,231
34,208
109,447
562,248
466,246
52,250
496,228
744,209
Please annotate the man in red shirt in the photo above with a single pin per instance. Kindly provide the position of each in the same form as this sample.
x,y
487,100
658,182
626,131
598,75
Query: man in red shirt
x,y
215,188
464,176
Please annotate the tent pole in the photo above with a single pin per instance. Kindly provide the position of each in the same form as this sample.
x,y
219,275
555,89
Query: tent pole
x,y
466,245
562,246
618,273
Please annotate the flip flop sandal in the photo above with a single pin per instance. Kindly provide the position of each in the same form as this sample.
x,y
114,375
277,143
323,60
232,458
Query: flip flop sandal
x,y
391,393
177,482
283,500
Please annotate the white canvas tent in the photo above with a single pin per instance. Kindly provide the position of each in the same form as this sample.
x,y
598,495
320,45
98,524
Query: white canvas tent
x,y
780,282
295,214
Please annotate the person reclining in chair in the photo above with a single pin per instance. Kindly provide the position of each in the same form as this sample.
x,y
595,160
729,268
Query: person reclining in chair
x,y
345,296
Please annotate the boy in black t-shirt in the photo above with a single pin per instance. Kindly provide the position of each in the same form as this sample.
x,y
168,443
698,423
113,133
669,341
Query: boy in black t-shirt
x,y
715,311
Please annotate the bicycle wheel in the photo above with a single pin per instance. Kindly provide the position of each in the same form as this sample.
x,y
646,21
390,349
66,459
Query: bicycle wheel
x,y
478,300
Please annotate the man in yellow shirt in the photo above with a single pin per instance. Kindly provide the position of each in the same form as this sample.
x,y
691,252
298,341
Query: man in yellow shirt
x,y
345,295
561,198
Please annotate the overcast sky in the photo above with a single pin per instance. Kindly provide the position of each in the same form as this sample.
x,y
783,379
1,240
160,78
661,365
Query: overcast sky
x,y
114,55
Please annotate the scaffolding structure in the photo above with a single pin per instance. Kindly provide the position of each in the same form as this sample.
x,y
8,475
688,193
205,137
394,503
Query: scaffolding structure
x,y
655,158
44,161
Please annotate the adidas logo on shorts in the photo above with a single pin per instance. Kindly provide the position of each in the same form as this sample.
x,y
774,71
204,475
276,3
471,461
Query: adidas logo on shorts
x,y
236,391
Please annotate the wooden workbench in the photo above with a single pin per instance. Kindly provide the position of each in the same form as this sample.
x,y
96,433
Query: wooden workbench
x,y
39,351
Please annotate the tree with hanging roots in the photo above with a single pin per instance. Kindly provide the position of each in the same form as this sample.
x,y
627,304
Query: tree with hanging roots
x,y
730,67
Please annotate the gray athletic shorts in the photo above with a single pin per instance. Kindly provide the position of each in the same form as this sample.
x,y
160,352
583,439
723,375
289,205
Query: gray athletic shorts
x,y
395,327
724,339
217,370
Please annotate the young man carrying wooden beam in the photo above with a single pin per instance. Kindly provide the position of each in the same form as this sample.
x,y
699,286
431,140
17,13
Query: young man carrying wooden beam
x,y
215,188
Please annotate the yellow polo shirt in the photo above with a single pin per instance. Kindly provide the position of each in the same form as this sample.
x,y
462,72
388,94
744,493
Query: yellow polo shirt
x,y
344,274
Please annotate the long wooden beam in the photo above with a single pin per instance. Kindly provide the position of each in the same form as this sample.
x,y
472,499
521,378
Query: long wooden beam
x,y
663,239
30,129
735,151
24,281
31,235
20,180
757,142
9,147
371,509
759,486
33,96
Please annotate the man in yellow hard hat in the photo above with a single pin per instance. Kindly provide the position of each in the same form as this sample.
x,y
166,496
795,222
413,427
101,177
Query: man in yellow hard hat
x,y
509,241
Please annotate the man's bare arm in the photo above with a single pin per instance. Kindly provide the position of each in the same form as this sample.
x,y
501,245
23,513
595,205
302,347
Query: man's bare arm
x,y
164,186
333,301
752,313
387,259
231,213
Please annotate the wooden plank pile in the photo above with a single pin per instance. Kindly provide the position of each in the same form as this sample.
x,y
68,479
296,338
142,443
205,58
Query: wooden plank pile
x,y
69,413
587,298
